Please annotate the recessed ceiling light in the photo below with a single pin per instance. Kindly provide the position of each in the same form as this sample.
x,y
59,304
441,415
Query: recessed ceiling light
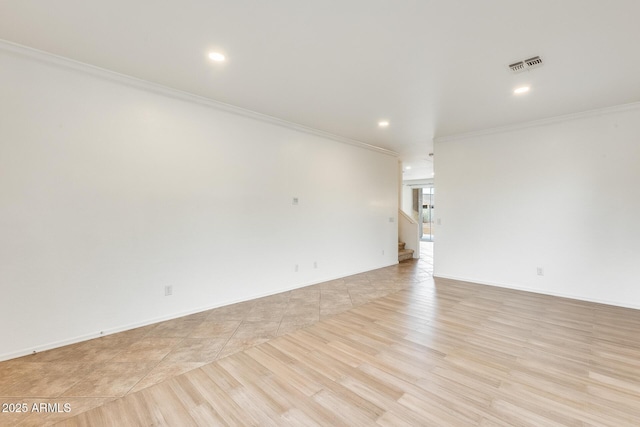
x,y
216,56
407,167
521,90
383,124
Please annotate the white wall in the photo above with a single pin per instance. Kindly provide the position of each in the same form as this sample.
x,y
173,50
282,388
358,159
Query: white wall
x,y
563,195
109,191
407,200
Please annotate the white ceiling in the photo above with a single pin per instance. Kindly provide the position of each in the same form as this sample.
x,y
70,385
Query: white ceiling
x,y
431,67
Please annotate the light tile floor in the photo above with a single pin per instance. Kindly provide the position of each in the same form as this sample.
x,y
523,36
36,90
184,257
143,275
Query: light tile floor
x,y
91,373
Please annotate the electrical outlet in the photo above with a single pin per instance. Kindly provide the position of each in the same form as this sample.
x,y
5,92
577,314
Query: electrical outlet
x,y
315,264
383,252
540,271
295,201
168,290
295,268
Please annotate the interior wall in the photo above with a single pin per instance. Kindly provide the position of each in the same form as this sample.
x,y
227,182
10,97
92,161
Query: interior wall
x,y
560,195
109,192
407,200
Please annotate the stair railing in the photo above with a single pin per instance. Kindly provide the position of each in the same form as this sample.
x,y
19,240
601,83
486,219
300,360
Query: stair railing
x,y
409,232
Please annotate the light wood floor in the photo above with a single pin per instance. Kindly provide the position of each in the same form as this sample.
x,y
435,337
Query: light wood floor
x,y
441,353
92,373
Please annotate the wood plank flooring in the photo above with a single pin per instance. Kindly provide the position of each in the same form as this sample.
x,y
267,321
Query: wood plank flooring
x,y
92,373
441,353
391,347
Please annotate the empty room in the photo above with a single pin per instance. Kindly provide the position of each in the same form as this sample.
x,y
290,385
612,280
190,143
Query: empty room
x,y
323,213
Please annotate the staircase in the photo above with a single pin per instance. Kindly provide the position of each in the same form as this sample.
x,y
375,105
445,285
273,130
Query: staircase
x,y
404,254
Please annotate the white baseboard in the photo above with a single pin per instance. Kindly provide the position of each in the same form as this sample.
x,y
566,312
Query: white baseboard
x,y
538,291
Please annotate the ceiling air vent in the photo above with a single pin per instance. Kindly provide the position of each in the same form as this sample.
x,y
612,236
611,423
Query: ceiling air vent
x,y
525,65
516,67
536,61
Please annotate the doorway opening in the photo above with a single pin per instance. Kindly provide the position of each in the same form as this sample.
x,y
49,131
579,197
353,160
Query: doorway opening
x,y
427,214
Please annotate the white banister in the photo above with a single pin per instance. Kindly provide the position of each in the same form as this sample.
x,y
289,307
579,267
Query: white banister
x,y
409,232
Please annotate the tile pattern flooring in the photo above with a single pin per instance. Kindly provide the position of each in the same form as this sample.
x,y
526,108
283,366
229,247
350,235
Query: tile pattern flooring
x,y
94,372
438,353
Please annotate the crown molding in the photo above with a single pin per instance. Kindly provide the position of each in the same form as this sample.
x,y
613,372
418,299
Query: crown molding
x,y
542,122
61,61
425,182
